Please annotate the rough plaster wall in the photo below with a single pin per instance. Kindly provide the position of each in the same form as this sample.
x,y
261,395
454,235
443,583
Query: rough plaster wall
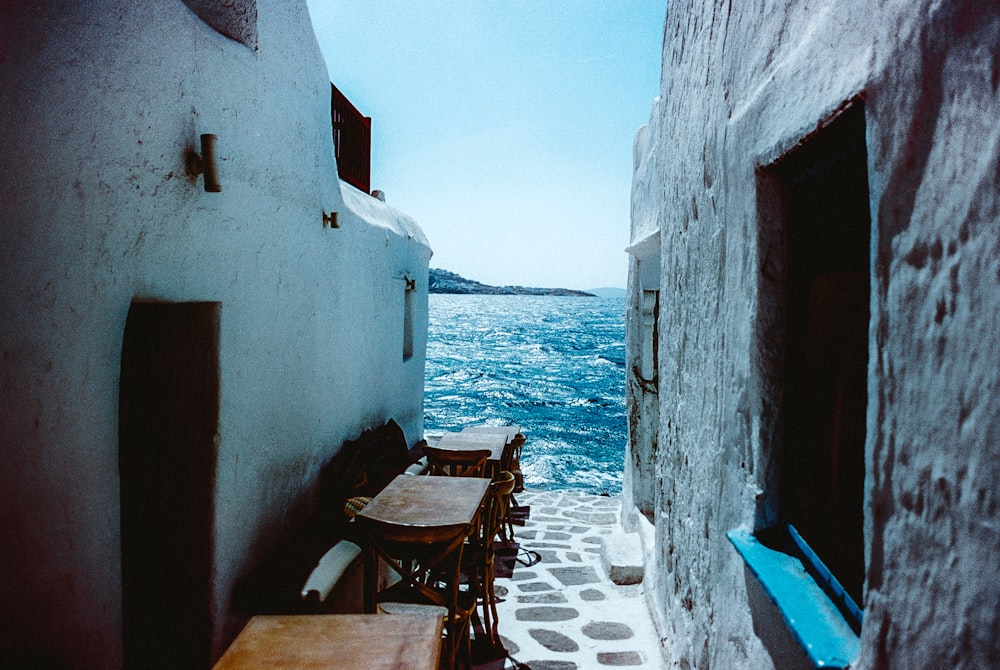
x,y
706,478
642,479
742,84
100,103
639,485
934,458
638,472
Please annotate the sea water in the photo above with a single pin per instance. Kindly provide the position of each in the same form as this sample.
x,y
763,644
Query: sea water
x,y
553,365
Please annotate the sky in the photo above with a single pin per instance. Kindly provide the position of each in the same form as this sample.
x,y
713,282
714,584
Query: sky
x,y
504,127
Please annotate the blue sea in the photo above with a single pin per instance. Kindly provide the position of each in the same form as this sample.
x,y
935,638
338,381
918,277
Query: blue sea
x,y
553,365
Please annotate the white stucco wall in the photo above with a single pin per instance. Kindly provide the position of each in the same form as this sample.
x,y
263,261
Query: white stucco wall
x,y
644,276
742,85
99,103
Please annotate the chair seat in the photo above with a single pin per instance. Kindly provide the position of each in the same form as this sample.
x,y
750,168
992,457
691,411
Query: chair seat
x,y
413,608
402,596
401,599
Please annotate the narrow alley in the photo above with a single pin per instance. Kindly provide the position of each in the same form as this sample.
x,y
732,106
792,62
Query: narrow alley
x,y
560,610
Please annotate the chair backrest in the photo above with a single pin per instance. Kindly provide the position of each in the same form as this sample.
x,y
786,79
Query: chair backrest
x,y
511,452
517,444
494,508
414,552
384,532
457,463
503,485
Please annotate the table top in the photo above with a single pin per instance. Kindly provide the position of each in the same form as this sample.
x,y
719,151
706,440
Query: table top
x,y
412,500
336,642
510,431
472,441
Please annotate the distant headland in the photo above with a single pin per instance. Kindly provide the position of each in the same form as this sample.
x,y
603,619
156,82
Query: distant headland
x,y
442,281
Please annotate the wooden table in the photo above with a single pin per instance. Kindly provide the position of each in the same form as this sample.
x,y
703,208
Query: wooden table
x,y
422,513
510,431
336,642
428,502
472,441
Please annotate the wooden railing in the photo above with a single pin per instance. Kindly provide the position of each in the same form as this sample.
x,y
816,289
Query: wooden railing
x,y
352,141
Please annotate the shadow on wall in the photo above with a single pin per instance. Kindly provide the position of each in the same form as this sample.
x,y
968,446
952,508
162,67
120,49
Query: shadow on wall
x,y
361,467
771,630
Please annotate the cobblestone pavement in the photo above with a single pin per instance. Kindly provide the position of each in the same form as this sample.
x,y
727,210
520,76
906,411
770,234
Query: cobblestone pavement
x,y
564,613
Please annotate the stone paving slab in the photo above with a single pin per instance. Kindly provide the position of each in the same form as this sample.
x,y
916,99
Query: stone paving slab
x,y
565,613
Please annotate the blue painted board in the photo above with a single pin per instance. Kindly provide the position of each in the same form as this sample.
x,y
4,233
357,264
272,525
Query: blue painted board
x,y
812,617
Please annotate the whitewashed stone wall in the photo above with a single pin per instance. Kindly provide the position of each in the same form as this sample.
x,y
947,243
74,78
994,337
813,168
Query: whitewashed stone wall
x,y
641,342
99,103
742,85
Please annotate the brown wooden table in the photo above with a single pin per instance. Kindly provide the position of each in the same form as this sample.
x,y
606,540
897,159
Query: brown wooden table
x,y
430,516
473,441
428,502
513,434
510,431
336,642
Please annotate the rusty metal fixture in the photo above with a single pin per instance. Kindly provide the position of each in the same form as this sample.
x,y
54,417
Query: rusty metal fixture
x,y
205,163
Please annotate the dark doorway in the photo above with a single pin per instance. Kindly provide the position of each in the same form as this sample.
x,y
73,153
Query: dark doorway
x,y
168,423
828,227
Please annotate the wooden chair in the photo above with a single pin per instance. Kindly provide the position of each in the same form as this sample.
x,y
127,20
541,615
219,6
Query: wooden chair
x,y
414,554
480,554
514,465
511,462
457,463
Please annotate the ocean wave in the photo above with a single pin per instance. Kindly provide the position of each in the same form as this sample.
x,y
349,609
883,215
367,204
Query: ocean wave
x,y
571,471
604,360
555,367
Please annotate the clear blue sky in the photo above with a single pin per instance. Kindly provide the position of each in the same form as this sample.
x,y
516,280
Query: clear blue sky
x,y
504,127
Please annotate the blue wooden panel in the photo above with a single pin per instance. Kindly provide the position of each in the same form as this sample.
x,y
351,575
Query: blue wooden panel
x,y
812,617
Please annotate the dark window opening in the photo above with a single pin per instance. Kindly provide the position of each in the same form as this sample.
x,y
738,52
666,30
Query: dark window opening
x,y
649,357
409,297
824,188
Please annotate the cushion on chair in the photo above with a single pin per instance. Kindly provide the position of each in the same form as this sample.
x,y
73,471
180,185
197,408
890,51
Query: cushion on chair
x,y
362,467
355,504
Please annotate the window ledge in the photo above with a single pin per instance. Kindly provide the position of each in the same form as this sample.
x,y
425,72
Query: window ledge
x,y
812,617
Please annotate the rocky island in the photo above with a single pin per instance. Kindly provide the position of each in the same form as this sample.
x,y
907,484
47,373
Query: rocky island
x,y
442,281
